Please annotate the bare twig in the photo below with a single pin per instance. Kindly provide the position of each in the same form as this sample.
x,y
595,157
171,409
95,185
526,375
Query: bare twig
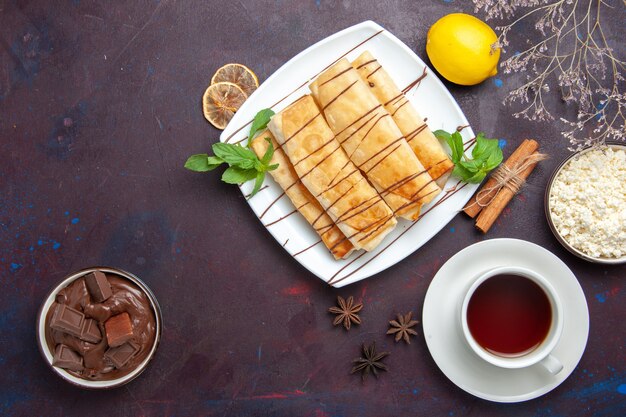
x,y
573,58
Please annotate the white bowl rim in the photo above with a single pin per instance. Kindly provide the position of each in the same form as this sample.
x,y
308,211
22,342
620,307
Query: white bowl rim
x,y
555,232
48,355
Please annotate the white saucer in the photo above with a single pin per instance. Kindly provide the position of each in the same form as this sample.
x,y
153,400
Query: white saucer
x,y
444,337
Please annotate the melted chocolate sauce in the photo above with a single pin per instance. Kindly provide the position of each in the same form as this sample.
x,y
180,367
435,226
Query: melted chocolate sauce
x,y
400,106
366,63
271,204
126,298
339,95
415,83
333,279
416,132
373,72
336,76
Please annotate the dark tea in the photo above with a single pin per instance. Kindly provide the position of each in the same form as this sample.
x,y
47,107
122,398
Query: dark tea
x,y
509,315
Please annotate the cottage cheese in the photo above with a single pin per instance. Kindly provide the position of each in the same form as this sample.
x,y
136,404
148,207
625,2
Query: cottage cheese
x,y
588,203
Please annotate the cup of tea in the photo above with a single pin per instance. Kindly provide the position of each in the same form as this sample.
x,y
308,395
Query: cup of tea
x,y
512,317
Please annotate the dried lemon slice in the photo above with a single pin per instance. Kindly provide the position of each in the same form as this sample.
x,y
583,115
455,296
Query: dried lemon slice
x,y
220,102
237,74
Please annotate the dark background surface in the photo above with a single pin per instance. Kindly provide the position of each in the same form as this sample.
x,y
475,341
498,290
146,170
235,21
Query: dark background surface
x,y
99,108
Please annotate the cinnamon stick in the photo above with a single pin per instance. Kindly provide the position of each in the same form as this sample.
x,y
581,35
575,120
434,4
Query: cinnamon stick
x,y
490,213
527,147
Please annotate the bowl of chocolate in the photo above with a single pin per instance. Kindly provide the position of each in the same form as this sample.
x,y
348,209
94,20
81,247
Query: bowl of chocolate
x,y
99,328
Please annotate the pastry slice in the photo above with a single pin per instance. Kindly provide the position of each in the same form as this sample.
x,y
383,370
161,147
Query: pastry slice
x,y
330,176
372,140
425,145
302,199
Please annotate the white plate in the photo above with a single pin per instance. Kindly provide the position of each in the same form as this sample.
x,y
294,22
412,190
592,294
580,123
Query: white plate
x,y
291,81
441,321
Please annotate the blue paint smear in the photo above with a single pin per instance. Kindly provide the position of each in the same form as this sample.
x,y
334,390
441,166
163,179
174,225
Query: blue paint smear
x,y
498,82
592,390
601,297
40,242
56,245
15,266
600,106
67,213
75,220
621,388
8,399
452,229
318,3
501,143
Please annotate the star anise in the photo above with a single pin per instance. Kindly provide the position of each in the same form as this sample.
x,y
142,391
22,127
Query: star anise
x,y
346,312
402,327
370,362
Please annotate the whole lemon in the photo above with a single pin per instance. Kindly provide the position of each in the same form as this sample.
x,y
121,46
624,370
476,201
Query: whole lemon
x,y
463,49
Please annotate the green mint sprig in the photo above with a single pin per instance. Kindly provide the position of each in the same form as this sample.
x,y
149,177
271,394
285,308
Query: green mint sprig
x,y
243,164
260,122
486,156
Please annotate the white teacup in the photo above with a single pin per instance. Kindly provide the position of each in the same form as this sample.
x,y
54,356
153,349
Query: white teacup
x,y
541,354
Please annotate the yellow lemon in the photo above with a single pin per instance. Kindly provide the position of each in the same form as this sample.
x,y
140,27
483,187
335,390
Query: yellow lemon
x,y
463,49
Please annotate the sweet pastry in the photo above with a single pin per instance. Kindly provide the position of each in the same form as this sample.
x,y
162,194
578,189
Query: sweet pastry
x,y
414,128
302,199
326,171
372,141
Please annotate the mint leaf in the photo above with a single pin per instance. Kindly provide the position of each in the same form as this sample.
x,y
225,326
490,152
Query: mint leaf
x,y
260,176
455,142
461,172
214,160
484,147
260,122
244,164
486,155
268,153
477,177
494,159
235,155
479,147
441,134
202,162
471,165
235,175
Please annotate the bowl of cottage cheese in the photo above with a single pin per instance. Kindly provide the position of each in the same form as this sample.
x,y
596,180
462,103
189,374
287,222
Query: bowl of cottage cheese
x,y
585,204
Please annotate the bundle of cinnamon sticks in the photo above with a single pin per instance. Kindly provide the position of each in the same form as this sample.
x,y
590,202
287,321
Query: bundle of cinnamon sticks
x,y
506,181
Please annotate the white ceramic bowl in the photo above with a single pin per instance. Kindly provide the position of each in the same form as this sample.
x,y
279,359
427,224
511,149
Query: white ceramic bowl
x,y
555,231
48,354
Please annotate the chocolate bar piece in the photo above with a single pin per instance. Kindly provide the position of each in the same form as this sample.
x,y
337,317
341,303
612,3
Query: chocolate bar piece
x,y
119,329
98,286
66,358
61,297
120,355
90,331
67,320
